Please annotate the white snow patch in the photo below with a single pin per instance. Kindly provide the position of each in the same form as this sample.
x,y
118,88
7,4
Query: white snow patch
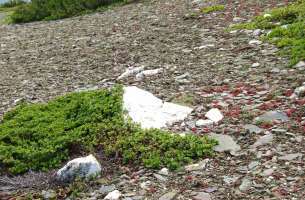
x,y
151,112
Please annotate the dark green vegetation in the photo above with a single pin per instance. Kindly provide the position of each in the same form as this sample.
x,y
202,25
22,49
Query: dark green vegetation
x,y
210,9
12,3
42,136
38,10
287,29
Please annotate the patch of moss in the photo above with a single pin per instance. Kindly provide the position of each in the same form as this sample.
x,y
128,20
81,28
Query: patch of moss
x,y
38,10
286,28
42,136
214,8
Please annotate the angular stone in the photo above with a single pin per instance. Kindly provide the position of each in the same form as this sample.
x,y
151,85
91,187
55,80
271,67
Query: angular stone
x,y
273,115
252,128
48,194
214,114
266,139
169,196
164,172
84,167
202,122
202,196
291,156
268,172
105,189
197,166
151,112
245,185
225,143
114,195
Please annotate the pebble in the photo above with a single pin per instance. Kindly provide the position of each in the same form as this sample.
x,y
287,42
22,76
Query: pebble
x,y
266,139
105,189
253,128
202,196
49,194
164,171
268,172
202,122
214,114
169,196
225,143
254,65
114,195
290,157
245,185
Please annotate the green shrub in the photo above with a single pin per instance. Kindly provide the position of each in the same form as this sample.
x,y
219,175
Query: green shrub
x,y
210,9
38,10
42,136
287,29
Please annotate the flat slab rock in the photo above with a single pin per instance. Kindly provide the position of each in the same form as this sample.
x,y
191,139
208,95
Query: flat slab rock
x,y
225,143
151,112
273,115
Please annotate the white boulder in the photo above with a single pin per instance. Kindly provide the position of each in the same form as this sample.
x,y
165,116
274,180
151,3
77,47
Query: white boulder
x,y
84,167
149,111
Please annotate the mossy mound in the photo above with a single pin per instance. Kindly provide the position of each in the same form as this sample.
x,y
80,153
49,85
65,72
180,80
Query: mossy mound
x,y
286,28
38,10
42,136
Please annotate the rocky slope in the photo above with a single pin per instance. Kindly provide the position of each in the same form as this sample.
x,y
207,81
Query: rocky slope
x,y
203,65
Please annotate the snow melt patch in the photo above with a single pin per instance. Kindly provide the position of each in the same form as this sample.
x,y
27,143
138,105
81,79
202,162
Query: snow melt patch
x,y
151,112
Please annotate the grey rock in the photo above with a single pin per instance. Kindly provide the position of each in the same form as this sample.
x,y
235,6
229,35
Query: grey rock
x,y
160,177
268,172
225,143
266,139
197,166
273,115
252,128
291,156
114,195
253,165
245,185
49,194
168,196
300,65
164,172
202,122
105,189
202,196
230,180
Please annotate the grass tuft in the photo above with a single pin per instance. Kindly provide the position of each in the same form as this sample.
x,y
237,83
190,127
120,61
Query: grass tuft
x,y
214,8
286,29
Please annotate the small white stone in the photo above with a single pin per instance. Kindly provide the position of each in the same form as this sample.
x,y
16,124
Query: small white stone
x,y
202,122
255,42
300,64
214,114
148,73
114,195
130,72
164,171
257,32
254,65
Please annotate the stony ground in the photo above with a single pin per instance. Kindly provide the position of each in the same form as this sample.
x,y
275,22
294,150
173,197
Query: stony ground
x,y
204,66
